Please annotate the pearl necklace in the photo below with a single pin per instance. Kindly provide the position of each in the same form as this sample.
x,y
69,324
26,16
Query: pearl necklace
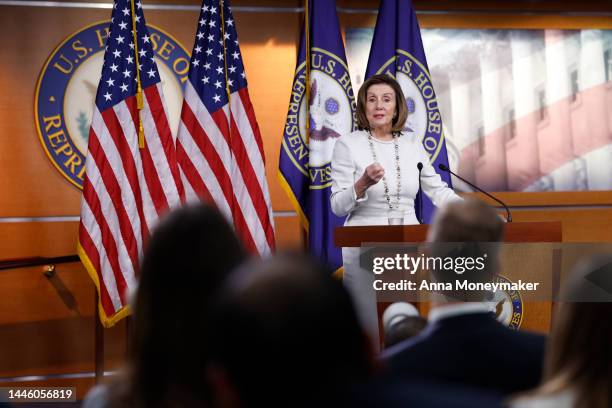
x,y
397,168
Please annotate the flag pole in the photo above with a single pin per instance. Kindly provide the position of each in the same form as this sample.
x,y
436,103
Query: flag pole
x,y
307,83
307,76
139,99
227,88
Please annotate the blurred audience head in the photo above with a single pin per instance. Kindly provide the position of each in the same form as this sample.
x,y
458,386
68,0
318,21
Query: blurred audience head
x,y
284,333
466,230
579,354
401,321
190,253
468,220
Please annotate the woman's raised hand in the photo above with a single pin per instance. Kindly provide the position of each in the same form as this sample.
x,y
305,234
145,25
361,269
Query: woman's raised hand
x,y
371,175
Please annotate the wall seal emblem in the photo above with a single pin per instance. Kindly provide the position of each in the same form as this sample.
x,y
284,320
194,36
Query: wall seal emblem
x,y
66,89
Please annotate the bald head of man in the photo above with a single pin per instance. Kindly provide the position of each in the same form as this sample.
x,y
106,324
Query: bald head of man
x,y
465,233
469,220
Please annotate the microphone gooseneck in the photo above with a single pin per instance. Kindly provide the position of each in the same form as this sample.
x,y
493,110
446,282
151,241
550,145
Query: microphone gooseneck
x,y
445,168
420,194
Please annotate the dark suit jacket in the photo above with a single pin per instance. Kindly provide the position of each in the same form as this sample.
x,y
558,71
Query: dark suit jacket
x,y
472,350
385,393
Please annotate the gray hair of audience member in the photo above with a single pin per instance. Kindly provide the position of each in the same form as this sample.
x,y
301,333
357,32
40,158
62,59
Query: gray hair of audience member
x,y
579,353
461,230
284,329
401,321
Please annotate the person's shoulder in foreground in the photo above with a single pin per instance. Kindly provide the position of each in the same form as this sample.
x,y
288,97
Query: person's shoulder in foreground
x,y
472,349
463,342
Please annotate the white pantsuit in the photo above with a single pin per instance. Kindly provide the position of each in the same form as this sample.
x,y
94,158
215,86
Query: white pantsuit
x,y
352,154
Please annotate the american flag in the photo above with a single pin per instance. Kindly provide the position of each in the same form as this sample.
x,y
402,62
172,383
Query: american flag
x,y
126,187
219,147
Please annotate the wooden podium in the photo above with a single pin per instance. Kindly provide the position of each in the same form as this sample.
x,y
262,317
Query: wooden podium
x,y
537,316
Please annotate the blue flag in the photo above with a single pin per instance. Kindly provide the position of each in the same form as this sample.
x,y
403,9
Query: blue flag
x,y
305,161
397,50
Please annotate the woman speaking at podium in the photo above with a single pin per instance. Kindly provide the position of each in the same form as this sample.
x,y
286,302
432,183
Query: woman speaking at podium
x,y
375,179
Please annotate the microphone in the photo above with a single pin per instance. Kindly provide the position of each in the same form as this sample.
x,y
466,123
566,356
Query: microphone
x,y
420,193
445,168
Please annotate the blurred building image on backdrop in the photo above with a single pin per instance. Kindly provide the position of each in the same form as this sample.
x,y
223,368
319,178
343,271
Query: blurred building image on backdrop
x,y
525,110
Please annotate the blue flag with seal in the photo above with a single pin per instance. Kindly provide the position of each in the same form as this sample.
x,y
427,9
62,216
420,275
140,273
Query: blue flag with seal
x,y
318,115
397,50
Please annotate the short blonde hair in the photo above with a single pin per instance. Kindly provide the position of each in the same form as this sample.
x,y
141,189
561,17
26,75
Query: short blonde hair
x,y
401,110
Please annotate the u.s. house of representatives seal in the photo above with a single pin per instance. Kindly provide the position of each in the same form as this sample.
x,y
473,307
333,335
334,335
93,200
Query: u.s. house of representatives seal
x,y
67,85
424,117
332,114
